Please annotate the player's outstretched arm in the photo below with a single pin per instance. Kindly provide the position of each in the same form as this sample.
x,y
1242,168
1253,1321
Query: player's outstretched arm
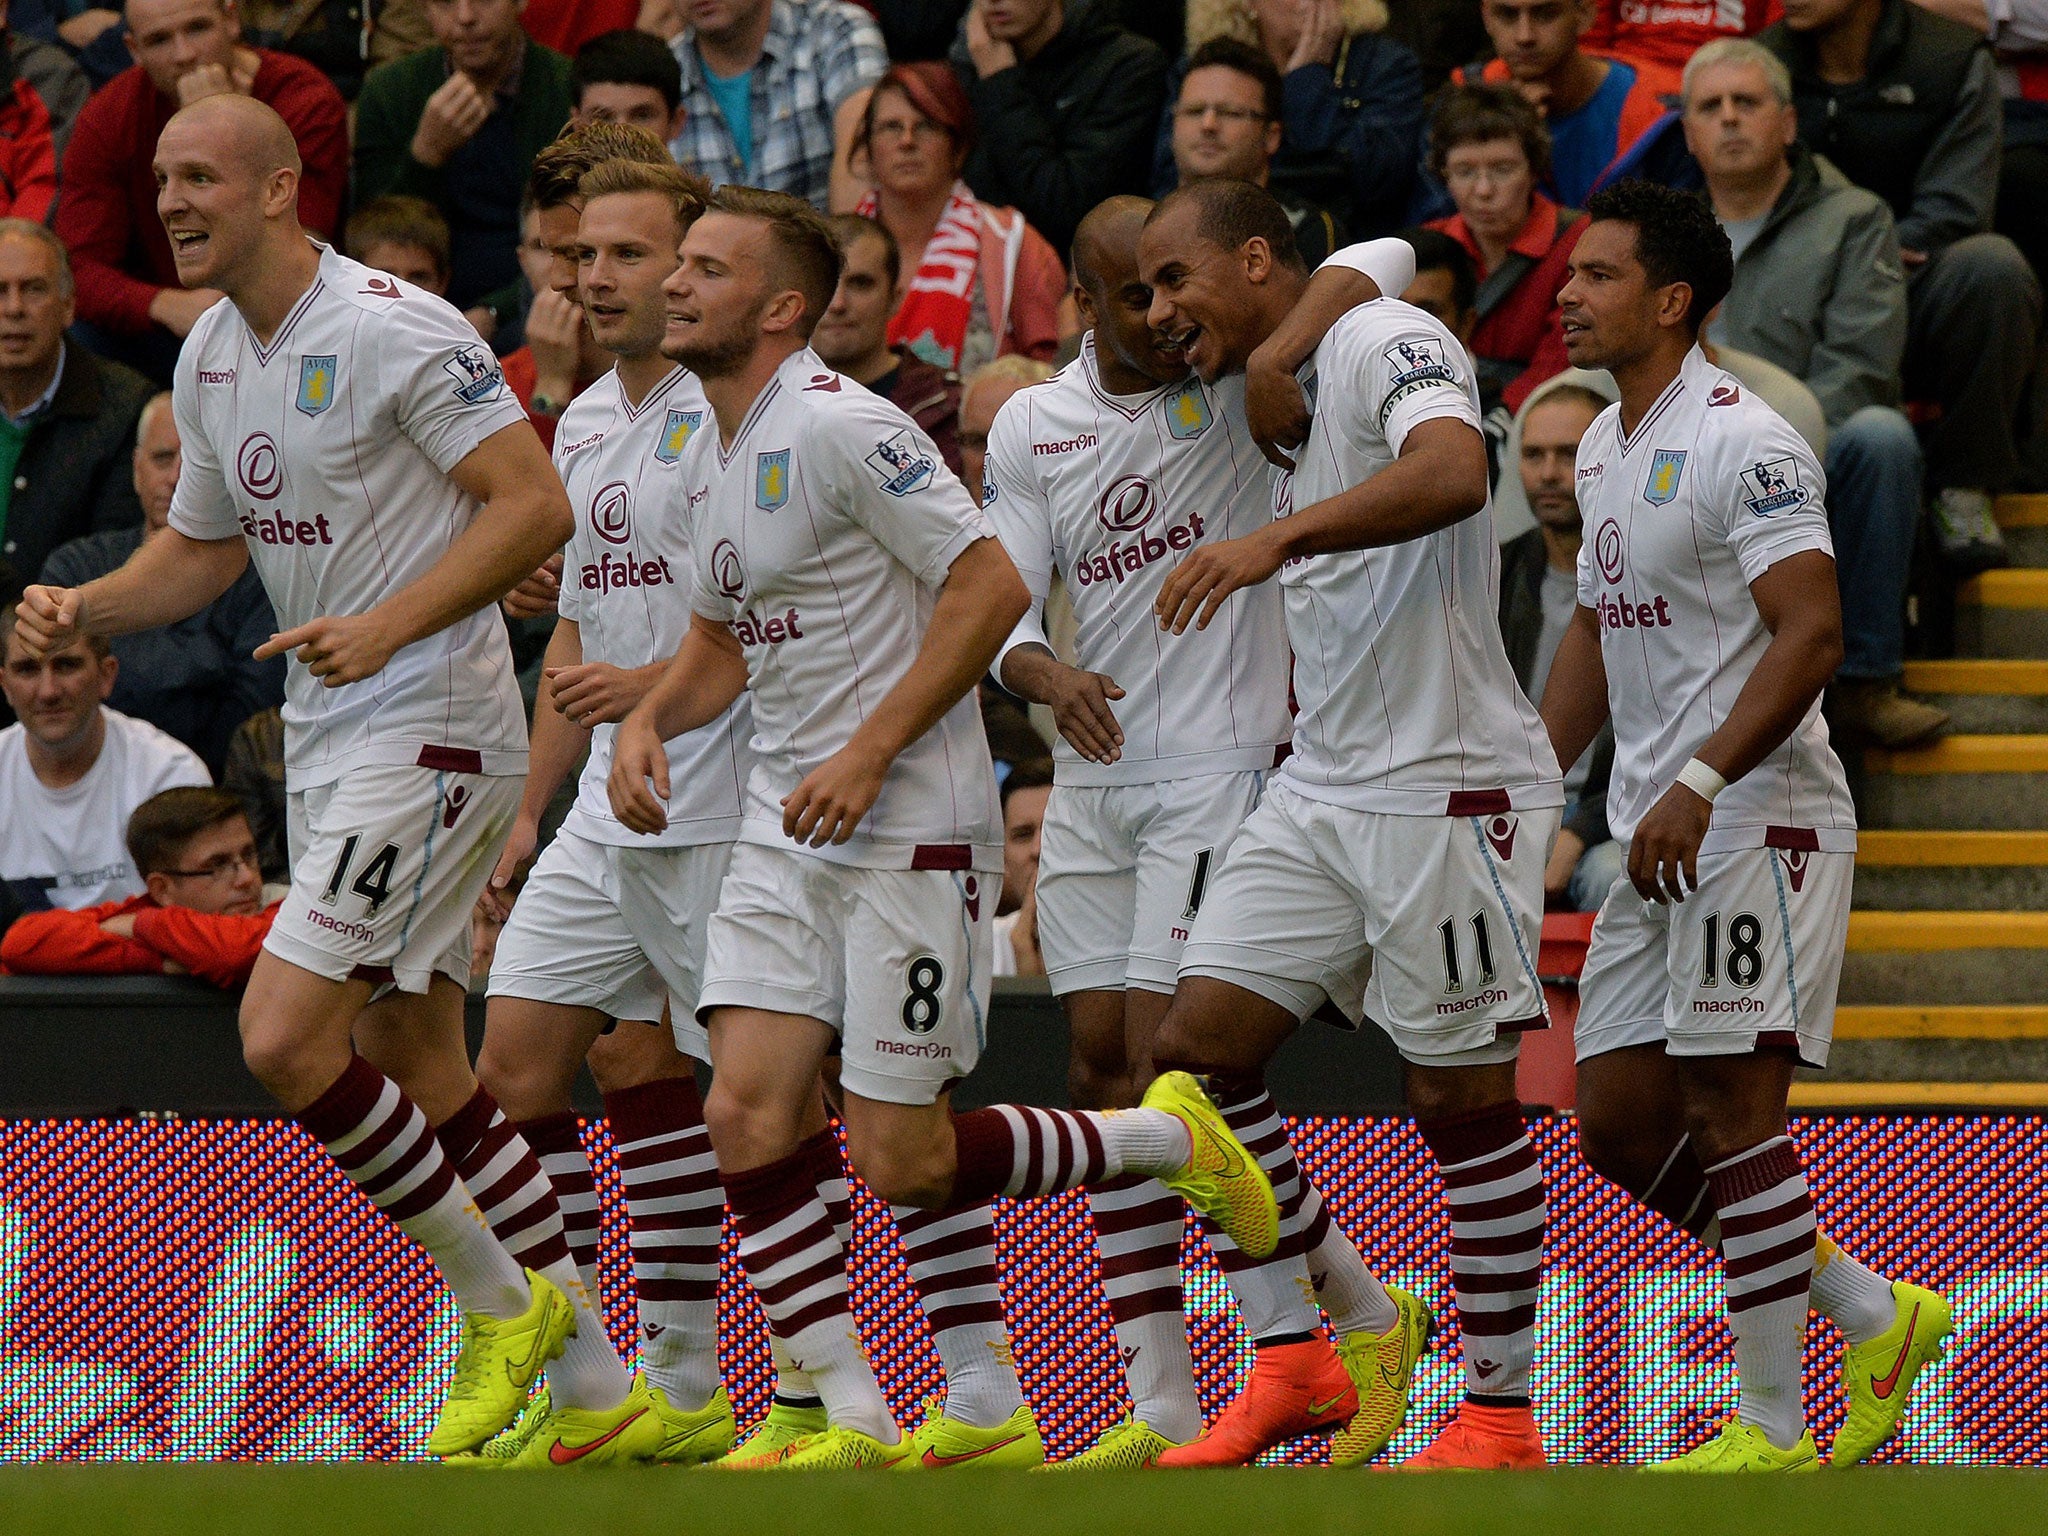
x,y
556,748
1801,606
1275,407
980,603
1574,703
708,672
171,577
1439,479
1079,700
525,518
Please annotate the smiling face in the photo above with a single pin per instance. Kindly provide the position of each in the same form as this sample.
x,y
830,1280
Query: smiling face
x,y
1202,297
625,251
718,294
171,38
1117,306
212,201
35,304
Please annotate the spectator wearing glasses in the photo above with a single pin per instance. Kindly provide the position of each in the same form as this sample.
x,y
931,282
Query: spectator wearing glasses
x,y
197,679
72,771
1489,147
1350,105
202,912
1226,122
985,283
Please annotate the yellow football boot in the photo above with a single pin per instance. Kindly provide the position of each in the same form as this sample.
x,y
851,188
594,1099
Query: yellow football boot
x,y
1220,1178
496,1367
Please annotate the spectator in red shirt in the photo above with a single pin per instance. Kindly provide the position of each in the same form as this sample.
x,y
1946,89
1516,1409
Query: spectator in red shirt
x,y
1489,147
1658,36
28,145
203,914
185,50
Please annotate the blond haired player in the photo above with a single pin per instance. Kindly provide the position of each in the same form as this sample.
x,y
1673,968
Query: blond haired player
x,y
352,436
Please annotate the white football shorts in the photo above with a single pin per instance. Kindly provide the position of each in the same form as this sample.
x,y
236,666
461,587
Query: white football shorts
x,y
896,960
616,928
1122,870
1753,957
1428,925
387,864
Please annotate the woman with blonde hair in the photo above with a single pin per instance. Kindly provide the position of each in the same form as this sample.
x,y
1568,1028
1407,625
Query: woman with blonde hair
x,y
979,281
1351,103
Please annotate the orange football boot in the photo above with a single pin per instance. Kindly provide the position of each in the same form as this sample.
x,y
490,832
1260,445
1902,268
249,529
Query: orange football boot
x,y
1294,1389
1483,1437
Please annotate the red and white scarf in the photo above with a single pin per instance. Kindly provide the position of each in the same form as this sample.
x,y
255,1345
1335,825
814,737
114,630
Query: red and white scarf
x,y
938,305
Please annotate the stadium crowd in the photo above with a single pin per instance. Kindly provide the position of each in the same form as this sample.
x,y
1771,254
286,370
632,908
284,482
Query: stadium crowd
x,y
1877,164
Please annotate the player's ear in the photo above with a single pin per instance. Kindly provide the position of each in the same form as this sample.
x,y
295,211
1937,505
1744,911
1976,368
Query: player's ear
x,y
1674,303
785,310
158,885
281,194
1257,257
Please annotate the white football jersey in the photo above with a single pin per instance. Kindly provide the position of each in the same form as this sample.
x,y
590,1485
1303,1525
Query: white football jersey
x,y
1407,704
1111,491
1712,490
822,536
329,451
626,584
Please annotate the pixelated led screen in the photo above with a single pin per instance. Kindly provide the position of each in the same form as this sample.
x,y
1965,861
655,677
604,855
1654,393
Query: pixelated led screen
x,y
216,1290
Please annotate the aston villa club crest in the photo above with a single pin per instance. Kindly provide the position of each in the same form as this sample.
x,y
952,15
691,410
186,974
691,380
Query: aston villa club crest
x,y
1667,465
676,432
771,480
316,383
1187,412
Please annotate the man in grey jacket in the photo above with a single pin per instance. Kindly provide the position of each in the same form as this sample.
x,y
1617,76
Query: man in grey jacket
x,y
1820,291
1906,104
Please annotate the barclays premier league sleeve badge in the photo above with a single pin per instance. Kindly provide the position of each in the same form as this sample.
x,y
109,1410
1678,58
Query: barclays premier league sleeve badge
x,y
475,373
902,466
1770,486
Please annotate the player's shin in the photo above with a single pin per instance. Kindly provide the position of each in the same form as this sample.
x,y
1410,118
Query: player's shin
x,y
1138,1225
952,1257
798,1268
1493,1185
1767,1239
677,1206
517,1201
382,1142
557,1142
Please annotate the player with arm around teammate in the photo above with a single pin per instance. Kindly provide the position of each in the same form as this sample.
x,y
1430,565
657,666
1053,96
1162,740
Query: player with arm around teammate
x,y
351,435
843,575
1404,839
1107,475
1709,621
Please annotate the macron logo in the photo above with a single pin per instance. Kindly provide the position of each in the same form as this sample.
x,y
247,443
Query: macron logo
x,y
1063,445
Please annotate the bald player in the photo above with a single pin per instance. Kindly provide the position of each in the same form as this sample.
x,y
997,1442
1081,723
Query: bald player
x,y
1107,476
350,434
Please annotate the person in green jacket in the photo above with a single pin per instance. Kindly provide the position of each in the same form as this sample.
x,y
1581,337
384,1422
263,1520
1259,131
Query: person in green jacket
x,y
459,124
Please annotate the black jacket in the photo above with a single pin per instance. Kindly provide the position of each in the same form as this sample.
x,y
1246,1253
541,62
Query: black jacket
x,y
77,471
1522,562
1059,132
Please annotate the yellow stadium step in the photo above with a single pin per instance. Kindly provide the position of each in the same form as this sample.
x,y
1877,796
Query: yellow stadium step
x,y
2020,587
1917,871
2005,613
2022,511
1952,957
1968,782
1924,932
1965,755
2008,678
1893,1021
1919,1095
1921,850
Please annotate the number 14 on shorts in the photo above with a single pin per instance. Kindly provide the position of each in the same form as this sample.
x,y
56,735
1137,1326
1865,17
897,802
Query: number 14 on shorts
x,y
373,879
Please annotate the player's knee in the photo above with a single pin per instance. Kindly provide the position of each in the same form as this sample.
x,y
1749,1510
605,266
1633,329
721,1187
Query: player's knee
x,y
1612,1145
524,1087
1093,1084
292,1065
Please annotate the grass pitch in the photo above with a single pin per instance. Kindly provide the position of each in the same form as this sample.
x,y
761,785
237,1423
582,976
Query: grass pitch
x,y
156,1500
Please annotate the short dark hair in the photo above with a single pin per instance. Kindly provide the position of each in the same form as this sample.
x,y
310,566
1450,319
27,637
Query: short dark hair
x,y
163,824
1479,114
807,251
397,220
558,171
1229,213
627,57
1678,240
849,227
1233,53
1436,251
1027,773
